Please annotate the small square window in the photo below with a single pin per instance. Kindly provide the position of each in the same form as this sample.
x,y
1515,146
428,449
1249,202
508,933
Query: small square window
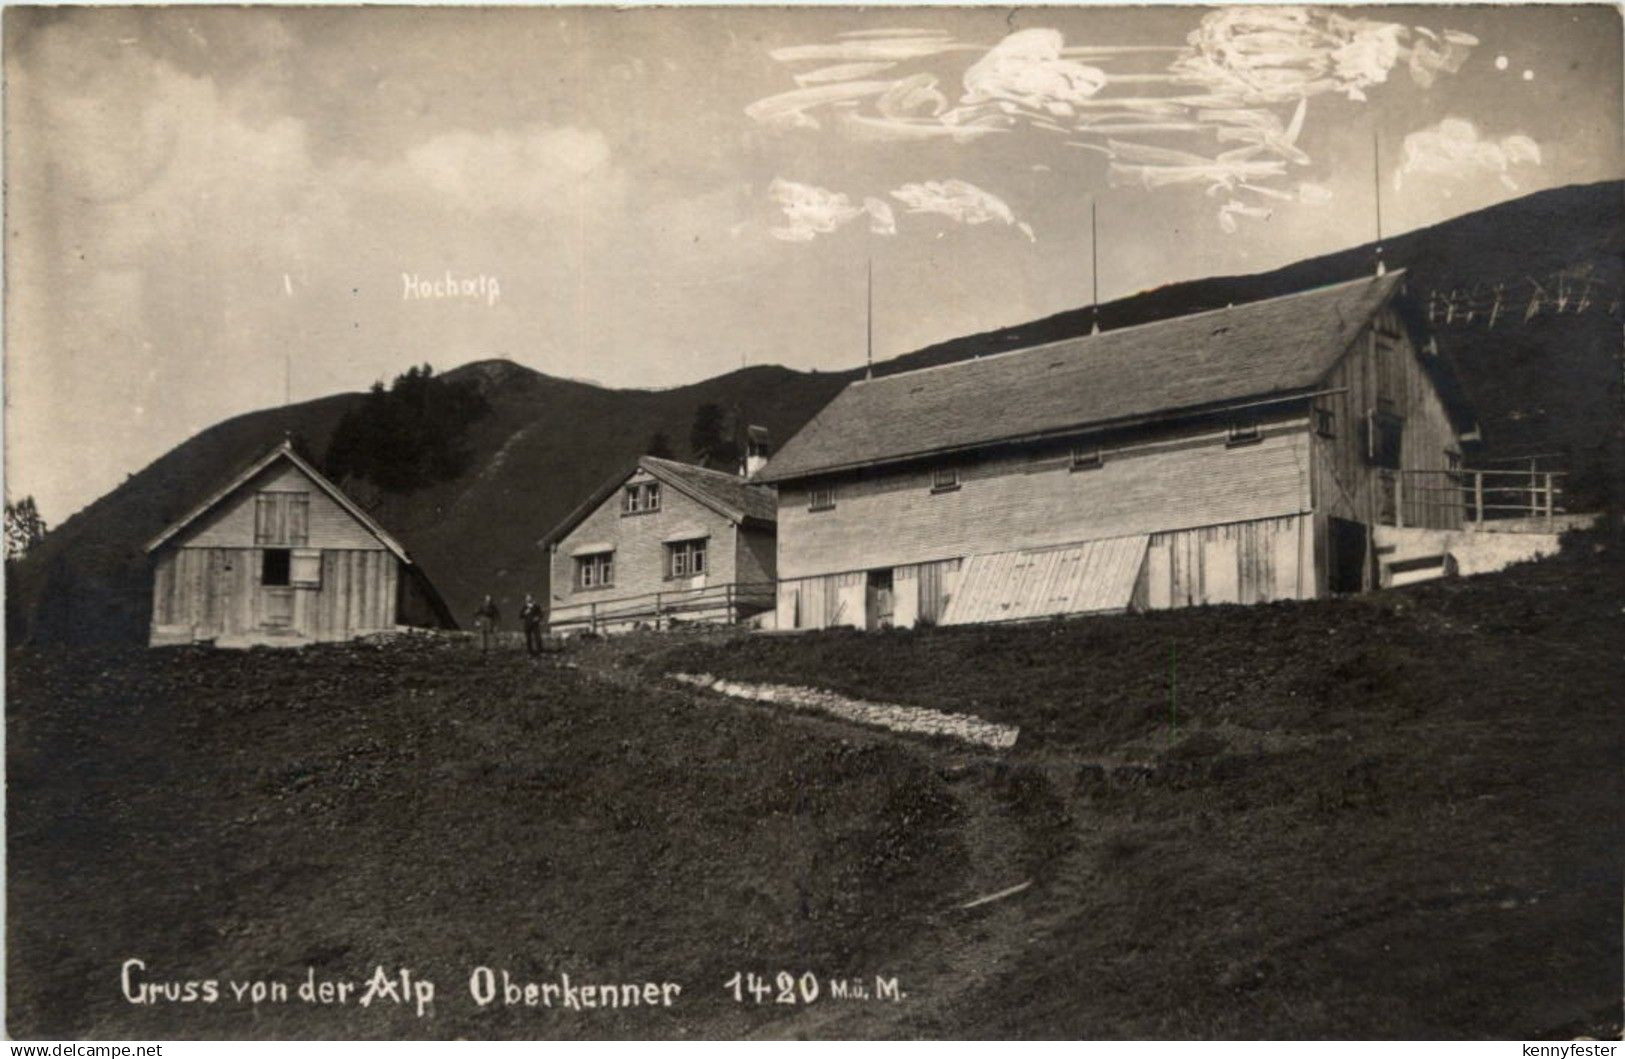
x,y
1325,422
945,479
1244,433
637,499
821,498
274,566
1087,459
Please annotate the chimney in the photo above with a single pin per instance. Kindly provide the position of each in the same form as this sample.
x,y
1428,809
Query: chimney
x,y
758,446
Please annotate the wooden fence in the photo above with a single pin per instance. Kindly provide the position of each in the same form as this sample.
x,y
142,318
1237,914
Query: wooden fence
x,y
719,604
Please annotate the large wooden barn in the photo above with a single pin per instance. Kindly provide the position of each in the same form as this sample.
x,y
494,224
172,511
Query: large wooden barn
x,y
1239,455
279,556
664,542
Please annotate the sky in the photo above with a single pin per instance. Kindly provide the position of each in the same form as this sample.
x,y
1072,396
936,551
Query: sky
x,y
209,210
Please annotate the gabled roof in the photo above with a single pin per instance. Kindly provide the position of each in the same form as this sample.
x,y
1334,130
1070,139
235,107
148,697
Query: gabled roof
x,y
728,495
284,451
1184,364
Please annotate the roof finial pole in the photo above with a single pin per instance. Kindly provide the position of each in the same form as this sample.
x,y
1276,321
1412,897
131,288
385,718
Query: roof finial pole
x,y
869,325
1094,269
1376,187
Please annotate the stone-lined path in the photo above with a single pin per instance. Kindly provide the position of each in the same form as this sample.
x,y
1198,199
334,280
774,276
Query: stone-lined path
x,y
914,719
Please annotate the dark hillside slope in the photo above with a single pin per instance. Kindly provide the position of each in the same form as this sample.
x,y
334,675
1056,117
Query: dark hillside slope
x,y
1390,816
1548,383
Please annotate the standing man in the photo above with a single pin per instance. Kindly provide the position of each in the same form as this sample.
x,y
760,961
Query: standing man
x,y
486,619
531,615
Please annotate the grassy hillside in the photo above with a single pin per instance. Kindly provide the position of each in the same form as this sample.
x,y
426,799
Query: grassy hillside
x,y
1315,819
1546,384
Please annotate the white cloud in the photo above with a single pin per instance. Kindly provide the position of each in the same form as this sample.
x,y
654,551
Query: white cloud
x,y
957,199
811,211
1454,151
1026,68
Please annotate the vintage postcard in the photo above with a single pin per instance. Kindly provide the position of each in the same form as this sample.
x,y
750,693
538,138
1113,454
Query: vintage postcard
x,y
787,522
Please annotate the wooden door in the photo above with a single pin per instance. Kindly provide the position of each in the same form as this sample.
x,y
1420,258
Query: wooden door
x,y
879,609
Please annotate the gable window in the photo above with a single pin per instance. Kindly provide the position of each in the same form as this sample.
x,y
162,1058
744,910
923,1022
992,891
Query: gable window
x,y
281,518
821,498
685,558
639,498
596,570
305,568
1325,422
275,566
1243,432
1086,459
945,479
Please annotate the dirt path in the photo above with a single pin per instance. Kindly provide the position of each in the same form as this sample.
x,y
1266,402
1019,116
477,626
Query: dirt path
x,y
961,949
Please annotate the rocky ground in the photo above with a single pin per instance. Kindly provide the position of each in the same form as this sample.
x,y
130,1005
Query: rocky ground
x,y
1387,816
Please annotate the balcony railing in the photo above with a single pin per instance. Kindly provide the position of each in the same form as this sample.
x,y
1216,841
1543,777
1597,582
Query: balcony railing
x,y
1478,497
724,603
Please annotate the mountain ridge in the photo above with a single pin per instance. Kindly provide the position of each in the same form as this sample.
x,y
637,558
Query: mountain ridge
x,y
1544,380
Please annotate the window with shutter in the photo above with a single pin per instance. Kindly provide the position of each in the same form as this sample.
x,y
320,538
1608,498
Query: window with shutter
x,y
305,568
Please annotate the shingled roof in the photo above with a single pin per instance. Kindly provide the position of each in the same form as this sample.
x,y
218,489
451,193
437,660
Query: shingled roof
x,y
1187,363
729,495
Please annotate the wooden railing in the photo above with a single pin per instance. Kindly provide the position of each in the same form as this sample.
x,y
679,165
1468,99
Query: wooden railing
x,y
730,602
1475,497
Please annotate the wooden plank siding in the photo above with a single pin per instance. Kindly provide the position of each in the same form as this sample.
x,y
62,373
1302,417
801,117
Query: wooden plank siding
x,y
1089,578
215,594
1381,371
1010,500
1240,562
231,525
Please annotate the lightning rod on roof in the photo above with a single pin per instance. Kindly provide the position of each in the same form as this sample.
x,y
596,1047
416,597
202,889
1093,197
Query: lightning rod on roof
x,y
1094,270
1376,185
869,325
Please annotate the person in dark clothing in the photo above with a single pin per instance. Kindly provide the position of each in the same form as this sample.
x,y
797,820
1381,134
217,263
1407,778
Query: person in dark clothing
x,y
486,620
531,615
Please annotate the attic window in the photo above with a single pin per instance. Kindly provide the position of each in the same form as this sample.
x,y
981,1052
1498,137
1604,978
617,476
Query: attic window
x,y
1086,459
281,518
821,498
640,498
1243,432
945,479
1325,422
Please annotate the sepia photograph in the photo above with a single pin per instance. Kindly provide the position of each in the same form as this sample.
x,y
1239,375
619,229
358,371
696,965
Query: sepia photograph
x,y
817,523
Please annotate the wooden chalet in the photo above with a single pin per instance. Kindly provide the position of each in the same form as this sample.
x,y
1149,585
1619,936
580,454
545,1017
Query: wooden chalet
x,y
660,543
1234,456
279,556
